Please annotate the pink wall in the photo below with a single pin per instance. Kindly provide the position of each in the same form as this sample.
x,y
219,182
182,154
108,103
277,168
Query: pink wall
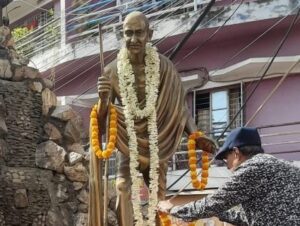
x,y
282,108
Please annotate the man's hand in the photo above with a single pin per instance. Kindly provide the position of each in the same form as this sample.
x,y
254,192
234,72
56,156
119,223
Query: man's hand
x,y
206,144
164,206
104,88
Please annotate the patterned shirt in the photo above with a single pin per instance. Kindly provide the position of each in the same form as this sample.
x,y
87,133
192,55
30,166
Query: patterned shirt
x,y
268,189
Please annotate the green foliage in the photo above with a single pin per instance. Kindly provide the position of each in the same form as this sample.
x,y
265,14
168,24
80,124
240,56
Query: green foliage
x,y
20,32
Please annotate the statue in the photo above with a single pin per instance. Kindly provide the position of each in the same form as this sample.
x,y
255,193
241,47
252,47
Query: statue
x,y
152,116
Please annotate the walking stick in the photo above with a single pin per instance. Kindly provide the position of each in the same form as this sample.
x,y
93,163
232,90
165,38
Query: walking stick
x,y
97,197
105,186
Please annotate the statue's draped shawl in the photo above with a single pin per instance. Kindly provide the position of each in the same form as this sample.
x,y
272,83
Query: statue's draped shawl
x,y
171,113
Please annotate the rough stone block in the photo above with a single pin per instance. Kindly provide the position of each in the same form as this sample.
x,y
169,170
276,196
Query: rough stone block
x,y
19,74
76,173
31,73
52,132
64,113
49,101
49,155
5,69
21,199
36,86
3,127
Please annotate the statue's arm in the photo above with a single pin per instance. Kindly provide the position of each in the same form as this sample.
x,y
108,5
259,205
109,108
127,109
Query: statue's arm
x,y
105,91
204,143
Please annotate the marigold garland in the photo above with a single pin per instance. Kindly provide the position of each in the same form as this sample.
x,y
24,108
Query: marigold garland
x,y
166,221
193,162
164,217
94,136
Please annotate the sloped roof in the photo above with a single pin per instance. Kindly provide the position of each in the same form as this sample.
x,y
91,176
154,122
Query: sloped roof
x,y
217,177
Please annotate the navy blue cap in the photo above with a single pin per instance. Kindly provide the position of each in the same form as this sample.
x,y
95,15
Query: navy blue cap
x,y
239,137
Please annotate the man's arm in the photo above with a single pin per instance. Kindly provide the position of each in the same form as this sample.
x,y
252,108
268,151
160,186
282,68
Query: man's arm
x,y
234,216
242,186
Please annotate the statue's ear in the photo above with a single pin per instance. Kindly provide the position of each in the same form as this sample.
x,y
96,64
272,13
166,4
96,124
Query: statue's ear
x,y
150,33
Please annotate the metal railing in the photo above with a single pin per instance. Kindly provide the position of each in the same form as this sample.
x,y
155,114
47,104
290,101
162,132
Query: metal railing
x,y
40,39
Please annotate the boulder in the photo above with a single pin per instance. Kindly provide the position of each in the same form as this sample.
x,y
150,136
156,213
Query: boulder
x,y
3,127
74,158
49,155
52,132
64,113
72,132
76,173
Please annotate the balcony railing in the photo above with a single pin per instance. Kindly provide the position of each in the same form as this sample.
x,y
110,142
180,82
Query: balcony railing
x,y
40,39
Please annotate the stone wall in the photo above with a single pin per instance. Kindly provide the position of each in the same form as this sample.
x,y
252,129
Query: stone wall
x,y
23,119
43,165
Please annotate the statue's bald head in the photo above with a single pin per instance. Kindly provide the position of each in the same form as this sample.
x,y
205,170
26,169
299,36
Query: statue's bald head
x,y
136,33
136,15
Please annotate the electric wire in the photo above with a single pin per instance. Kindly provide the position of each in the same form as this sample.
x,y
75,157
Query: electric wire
x,y
161,41
93,85
247,99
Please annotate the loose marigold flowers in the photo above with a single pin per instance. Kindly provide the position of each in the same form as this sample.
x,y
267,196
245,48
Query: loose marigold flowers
x,y
193,162
94,135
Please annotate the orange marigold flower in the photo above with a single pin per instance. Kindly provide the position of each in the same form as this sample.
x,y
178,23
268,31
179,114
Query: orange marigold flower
x,y
190,141
192,153
191,146
202,186
104,154
192,160
94,135
93,114
113,123
95,142
94,122
205,158
204,153
166,221
192,136
112,138
113,131
204,173
109,152
111,145
200,134
113,110
204,180
95,129
193,167
113,117
195,183
205,166
99,154
193,175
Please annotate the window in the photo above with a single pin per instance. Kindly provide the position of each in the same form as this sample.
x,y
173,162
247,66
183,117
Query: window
x,y
214,110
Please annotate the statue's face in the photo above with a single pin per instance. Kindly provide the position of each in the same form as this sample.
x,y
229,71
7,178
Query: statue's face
x,y
136,35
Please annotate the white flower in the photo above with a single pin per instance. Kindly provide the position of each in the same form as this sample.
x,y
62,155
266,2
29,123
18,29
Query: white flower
x,y
131,111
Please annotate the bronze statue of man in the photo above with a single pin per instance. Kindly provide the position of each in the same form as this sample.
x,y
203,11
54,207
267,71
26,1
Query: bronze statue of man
x,y
152,113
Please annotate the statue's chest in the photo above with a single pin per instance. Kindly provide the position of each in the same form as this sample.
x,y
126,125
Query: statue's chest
x,y
140,82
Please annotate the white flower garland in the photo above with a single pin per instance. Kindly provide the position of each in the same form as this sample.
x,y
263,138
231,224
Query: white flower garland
x,y
132,111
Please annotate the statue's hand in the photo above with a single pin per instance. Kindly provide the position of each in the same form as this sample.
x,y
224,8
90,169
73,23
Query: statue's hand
x,y
104,88
206,144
